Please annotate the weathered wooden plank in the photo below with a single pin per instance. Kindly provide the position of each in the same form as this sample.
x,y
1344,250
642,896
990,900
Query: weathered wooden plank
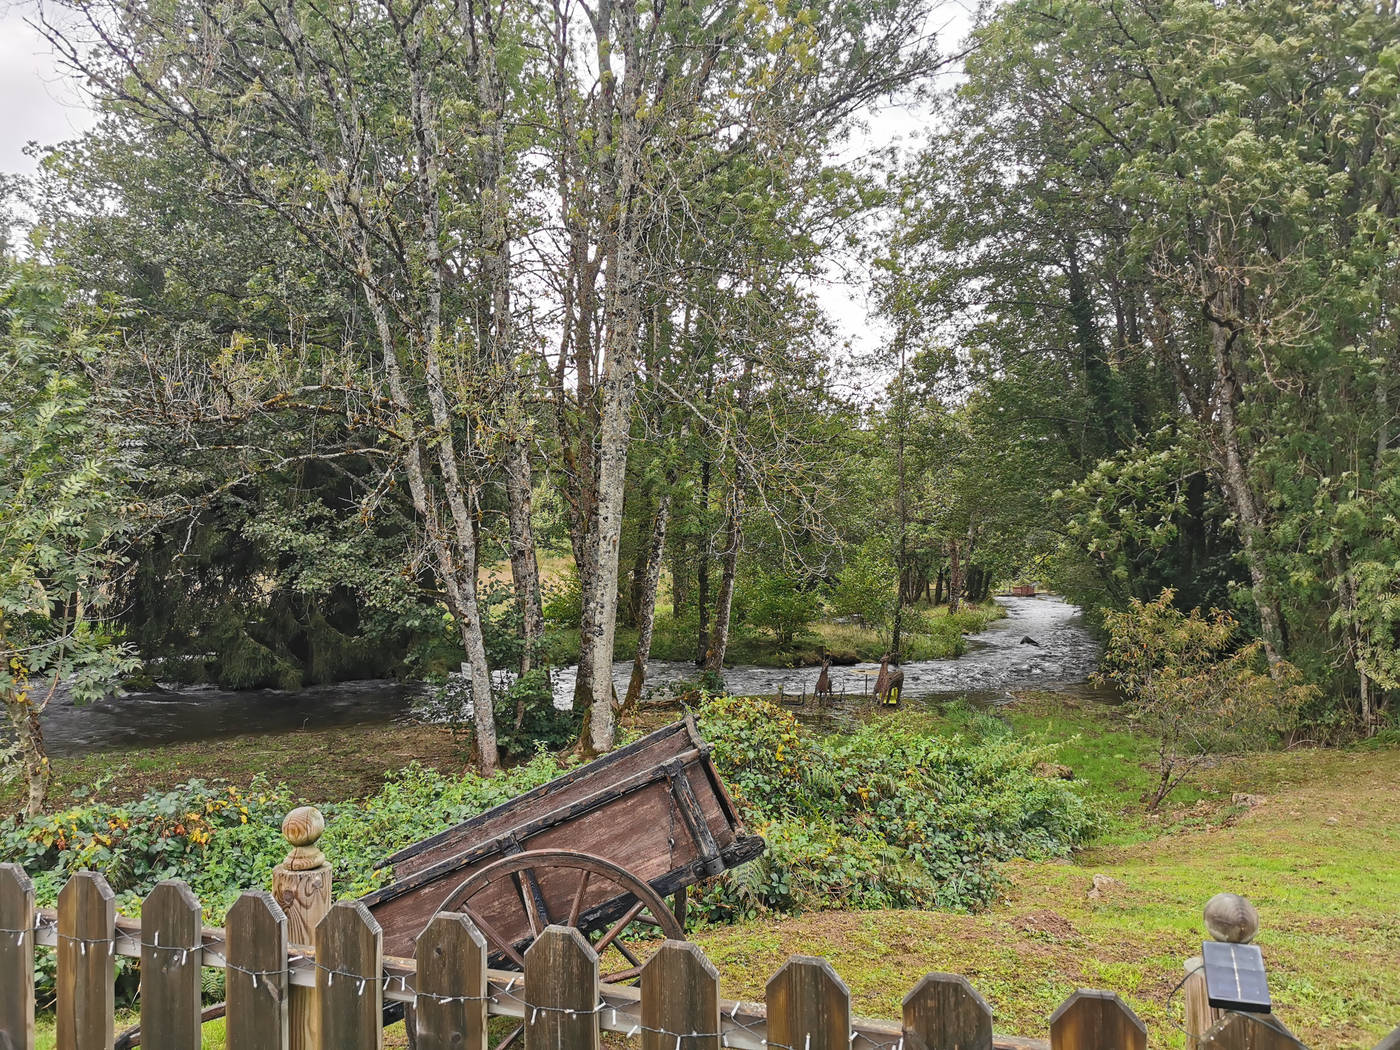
x,y
451,985
86,992
561,992
301,885
1094,1020
256,985
809,1006
1240,1031
16,959
1200,1015
944,1012
680,999
171,954
349,981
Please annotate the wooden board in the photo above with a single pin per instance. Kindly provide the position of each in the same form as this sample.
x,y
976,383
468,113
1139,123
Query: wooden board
x,y
451,986
680,999
1094,1020
256,984
943,1011
349,983
809,1006
561,991
171,955
86,989
16,958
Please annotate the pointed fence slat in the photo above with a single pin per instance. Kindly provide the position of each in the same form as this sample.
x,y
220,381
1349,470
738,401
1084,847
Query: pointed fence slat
x,y
809,1007
1240,1031
86,992
944,1012
1391,1041
680,999
349,982
1094,1020
171,957
451,985
16,958
256,984
561,992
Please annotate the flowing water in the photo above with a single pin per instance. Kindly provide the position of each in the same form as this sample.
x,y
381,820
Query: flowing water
x,y
997,660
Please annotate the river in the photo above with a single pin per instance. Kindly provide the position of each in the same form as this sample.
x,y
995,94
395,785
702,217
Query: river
x,y
1062,655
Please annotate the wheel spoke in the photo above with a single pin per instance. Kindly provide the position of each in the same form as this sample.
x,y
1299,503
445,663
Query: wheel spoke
x,y
627,952
622,976
489,932
537,895
527,904
578,898
621,925
510,1039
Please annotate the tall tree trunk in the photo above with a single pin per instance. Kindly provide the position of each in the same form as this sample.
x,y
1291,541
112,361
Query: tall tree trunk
x,y
524,566
29,735
702,568
955,578
680,576
724,603
646,614
1235,474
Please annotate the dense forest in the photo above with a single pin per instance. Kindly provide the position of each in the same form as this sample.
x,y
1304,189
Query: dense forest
x,y
346,319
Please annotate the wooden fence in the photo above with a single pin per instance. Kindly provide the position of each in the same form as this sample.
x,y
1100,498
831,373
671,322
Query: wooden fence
x,y
558,1000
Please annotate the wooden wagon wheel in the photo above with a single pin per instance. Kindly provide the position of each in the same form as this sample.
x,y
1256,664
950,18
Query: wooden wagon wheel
x,y
630,902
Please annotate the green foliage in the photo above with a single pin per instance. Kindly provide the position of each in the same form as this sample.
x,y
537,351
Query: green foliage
x,y
883,817
527,720
1192,689
62,486
776,602
865,587
563,601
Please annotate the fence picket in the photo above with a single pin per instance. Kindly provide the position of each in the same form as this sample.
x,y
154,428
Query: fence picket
x,y
680,999
944,1012
451,985
171,957
86,992
16,958
349,983
1094,1020
1391,1041
255,986
561,992
809,1006
1238,1031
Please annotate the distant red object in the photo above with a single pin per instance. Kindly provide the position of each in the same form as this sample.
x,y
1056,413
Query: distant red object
x,y
1023,590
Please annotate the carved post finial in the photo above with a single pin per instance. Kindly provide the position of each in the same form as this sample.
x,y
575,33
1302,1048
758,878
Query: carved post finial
x,y
302,828
1231,918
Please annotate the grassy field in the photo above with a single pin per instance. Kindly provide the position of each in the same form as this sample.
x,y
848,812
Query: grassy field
x,y
1319,855
1317,849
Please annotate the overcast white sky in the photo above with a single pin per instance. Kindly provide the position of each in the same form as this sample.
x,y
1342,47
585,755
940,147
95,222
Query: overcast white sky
x,y
39,103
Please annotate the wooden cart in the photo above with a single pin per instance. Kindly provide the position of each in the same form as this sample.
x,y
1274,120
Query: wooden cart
x,y
599,848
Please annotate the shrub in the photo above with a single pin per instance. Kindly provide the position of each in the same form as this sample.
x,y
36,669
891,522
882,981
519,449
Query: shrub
x,y
1193,689
882,817
527,720
563,601
777,603
865,588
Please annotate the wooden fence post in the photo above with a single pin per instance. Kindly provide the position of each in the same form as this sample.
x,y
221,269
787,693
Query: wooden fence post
x,y
1227,917
809,1006
256,982
561,992
944,1012
350,978
301,884
1093,1020
86,993
16,958
171,957
451,984
680,999
1237,1031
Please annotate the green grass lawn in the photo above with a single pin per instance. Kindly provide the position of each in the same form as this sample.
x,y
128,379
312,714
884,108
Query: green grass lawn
x,y
1319,856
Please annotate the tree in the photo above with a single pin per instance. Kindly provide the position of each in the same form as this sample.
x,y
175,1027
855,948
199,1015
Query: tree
x,y
62,515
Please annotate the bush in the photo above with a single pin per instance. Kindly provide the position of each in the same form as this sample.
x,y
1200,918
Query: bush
x,y
777,603
865,588
1193,689
879,818
563,602
527,720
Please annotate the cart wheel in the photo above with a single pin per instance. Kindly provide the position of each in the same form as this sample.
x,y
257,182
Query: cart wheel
x,y
601,899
